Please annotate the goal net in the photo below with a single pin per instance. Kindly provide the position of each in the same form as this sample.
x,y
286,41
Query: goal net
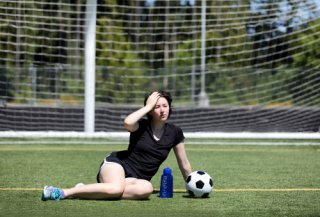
x,y
230,65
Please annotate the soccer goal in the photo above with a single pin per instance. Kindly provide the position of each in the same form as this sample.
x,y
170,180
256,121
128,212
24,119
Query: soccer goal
x,y
234,68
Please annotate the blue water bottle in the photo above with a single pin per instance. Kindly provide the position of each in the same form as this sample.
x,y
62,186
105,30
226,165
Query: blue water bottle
x,y
166,185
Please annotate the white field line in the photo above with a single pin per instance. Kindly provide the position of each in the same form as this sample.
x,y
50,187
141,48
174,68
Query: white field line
x,y
125,135
184,191
81,142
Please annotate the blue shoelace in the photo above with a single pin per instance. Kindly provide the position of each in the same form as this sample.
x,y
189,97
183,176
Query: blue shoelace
x,y
55,194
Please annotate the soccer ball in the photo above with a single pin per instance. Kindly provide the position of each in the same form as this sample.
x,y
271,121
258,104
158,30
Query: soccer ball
x,y
199,184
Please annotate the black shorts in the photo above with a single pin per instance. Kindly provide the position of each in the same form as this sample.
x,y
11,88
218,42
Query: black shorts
x,y
113,158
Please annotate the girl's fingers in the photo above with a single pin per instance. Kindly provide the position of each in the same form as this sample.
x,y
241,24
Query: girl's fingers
x,y
153,98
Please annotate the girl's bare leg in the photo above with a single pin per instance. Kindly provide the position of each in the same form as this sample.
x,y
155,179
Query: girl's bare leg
x,y
137,189
112,185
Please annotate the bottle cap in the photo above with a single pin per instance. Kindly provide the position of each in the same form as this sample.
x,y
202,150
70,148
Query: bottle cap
x,y
167,171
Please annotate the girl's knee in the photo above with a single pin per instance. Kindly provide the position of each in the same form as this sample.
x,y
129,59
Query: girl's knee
x,y
146,190
114,191
137,189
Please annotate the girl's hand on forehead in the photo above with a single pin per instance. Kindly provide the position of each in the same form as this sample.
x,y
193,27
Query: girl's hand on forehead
x,y
153,99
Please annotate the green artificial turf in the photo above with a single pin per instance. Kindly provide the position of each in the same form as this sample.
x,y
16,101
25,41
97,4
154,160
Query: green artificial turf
x,y
249,180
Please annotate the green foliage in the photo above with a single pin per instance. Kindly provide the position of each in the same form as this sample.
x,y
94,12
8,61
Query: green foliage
x,y
119,69
242,68
307,66
6,88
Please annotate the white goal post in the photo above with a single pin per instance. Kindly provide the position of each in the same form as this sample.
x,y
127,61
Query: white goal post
x,y
234,68
90,65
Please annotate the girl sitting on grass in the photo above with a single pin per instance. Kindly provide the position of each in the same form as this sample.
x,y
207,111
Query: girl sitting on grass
x,y
127,174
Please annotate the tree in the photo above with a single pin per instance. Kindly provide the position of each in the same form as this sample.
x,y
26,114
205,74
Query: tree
x,y
271,26
119,70
304,86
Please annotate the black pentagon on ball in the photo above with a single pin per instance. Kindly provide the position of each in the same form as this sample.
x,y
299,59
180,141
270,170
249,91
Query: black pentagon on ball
x,y
199,184
201,172
188,179
211,182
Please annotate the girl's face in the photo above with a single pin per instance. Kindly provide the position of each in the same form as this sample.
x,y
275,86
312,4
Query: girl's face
x,y
160,111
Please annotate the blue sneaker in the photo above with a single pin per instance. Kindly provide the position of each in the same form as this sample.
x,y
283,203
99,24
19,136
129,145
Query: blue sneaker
x,y
52,193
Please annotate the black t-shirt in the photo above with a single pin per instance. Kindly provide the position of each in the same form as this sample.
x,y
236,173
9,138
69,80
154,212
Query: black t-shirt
x,y
145,154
